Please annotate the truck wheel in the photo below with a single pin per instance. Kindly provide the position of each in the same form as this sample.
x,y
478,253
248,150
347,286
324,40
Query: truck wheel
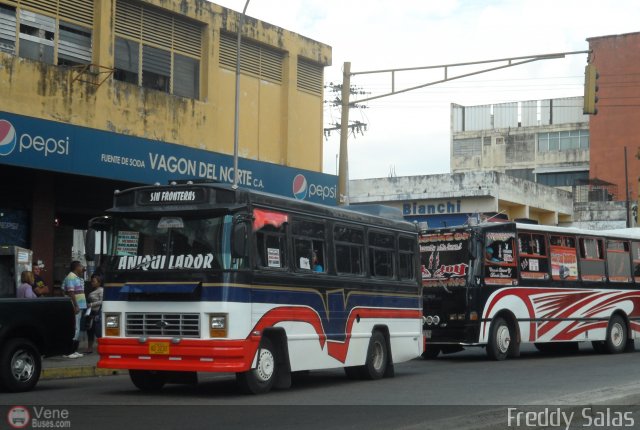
x,y
377,357
616,340
20,365
500,338
261,379
148,380
431,352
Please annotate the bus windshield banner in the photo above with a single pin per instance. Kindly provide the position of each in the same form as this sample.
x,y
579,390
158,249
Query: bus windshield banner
x,y
445,258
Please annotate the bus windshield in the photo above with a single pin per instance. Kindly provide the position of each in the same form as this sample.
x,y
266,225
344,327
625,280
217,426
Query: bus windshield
x,y
445,258
171,243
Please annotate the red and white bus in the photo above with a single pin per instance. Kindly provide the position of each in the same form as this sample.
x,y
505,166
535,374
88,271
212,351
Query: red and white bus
x,y
500,285
205,278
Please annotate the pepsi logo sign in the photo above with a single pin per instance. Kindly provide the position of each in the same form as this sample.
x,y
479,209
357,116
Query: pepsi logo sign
x,y
7,137
44,145
300,187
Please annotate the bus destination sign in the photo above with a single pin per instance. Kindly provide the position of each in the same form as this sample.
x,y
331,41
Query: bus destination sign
x,y
160,197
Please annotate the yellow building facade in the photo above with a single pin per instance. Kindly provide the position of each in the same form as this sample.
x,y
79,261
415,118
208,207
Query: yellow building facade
x,y
281,75
99,95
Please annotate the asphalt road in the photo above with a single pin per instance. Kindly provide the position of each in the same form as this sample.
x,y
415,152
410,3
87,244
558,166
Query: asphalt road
x,y
462,390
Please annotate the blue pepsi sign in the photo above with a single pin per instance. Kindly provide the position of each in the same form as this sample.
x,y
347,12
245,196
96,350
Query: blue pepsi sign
x,y
48,145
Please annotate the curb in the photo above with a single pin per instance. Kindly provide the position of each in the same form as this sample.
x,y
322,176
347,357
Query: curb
x,y
78,372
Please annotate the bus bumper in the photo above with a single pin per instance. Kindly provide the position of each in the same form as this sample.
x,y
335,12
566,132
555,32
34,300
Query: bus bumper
x,y
461,335
187,355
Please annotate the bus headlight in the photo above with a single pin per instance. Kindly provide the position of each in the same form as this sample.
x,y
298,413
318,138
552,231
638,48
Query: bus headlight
x,y
429,320
112,324
218,325
436,320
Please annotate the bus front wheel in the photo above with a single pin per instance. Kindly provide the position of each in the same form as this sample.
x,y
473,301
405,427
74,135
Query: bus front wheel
x,y
148,380
501,337
616,340
261,379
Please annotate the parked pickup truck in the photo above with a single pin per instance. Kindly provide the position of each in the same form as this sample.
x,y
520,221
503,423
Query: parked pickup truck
x,y
29,330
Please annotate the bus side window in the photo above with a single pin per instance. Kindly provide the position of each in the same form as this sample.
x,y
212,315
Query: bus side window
x,y
349,250
532,254
407,249
635,255
381,255
271,247
564,259
618,261
591,259
270,232
308,245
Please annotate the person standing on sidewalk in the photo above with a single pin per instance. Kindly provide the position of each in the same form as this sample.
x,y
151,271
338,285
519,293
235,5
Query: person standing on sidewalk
x,y
25,290
39,286
94,319
73,286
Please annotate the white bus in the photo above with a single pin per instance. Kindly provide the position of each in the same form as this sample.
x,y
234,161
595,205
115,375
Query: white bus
x,y
500,285
205,278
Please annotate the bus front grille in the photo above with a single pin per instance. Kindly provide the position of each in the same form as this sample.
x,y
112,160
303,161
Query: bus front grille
x,y
171,325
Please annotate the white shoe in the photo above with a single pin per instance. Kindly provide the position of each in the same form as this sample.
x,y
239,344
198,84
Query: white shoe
x,y
74,355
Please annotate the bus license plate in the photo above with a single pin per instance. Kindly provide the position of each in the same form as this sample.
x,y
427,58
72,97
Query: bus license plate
x,y
427,334
159,348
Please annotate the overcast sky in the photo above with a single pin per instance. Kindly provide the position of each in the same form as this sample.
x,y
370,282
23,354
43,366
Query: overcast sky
x,y
409,134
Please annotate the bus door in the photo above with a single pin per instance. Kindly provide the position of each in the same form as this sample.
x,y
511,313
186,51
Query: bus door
x,y
445,264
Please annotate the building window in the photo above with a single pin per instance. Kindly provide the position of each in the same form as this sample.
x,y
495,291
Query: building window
x,y
74,45
563,140
156,68
46,27
260,61
467,147
186,72
7,29
561,179
127,61
157,50
310,76
37,34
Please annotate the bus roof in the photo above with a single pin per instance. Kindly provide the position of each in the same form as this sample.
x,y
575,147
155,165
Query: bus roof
x,y
623,233
126,201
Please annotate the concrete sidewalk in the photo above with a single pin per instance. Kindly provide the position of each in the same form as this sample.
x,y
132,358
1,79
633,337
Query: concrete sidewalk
x,y
61,367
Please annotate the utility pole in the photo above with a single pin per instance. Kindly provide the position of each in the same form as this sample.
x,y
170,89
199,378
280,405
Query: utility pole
x,y
343,174
343,178
236,124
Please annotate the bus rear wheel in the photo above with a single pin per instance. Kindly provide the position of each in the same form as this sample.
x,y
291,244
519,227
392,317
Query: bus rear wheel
x,y
616,340
148,380
501,337
261,379
377,357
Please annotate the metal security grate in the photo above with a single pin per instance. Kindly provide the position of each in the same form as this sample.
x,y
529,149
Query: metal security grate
x,y
154,324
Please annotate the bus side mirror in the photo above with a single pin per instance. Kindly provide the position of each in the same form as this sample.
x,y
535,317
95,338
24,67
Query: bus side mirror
x,y
101,223
239,240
